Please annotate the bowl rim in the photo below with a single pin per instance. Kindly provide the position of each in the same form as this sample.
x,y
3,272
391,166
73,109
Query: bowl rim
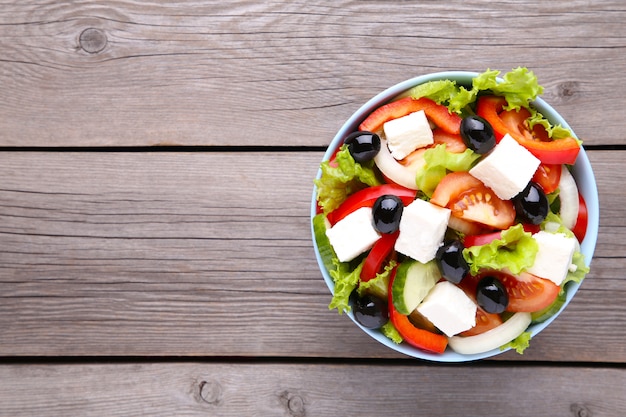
x,y
582,172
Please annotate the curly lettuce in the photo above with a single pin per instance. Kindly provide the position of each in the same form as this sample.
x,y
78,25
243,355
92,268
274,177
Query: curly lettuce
x,y
515,250
348,176
439,162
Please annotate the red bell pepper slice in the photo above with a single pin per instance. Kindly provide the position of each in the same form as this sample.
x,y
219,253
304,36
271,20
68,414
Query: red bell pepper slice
x,y
580,228
416,337
548,151
378,255
367,197
437,113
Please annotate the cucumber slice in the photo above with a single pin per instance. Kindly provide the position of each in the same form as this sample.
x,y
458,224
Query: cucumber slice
x,y
327,254
412,283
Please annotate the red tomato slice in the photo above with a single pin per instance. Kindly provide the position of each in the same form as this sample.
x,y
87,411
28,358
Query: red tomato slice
x,y
454,142
437,113
470,199
580,228
557,151
484,322
527,292
548,177
366,198
378,255
414,336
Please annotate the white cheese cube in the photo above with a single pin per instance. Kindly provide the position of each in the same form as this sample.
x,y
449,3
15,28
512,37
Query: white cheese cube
x,y
507,169
408,133
353,235
554,257
449,309
422,229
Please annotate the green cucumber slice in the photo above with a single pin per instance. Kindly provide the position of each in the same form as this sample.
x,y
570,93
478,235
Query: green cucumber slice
x,y
327,254
412,283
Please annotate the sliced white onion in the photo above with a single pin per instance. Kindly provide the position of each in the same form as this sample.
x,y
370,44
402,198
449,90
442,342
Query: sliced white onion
x,y
568,194
493,338
395,171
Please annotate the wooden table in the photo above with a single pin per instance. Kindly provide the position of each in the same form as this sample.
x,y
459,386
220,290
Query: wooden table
x,y
156,172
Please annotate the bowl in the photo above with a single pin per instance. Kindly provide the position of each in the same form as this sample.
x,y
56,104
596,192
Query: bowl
x,y
582,172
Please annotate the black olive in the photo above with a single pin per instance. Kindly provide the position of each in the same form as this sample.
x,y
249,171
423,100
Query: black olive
x,y
452,264
387,211
531,205
363,146
477,134
491,295
369,311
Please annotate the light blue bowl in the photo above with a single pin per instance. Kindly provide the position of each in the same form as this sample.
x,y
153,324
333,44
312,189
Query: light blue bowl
x,y
582,172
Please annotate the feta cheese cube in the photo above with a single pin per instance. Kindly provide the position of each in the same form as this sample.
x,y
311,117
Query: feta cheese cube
x,y
554,257
408,133
449,309
422,229
353,235
507,169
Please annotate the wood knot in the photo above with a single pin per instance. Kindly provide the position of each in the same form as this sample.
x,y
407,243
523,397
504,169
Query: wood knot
x,y
294,403
568,89
580,410
92,40
211,392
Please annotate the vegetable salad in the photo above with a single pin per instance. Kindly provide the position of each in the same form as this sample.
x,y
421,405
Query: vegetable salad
x,y
449,219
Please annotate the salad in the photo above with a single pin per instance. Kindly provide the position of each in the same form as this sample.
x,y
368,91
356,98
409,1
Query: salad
x,y
449,219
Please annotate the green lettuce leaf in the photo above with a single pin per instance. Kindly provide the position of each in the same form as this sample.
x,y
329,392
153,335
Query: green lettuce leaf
x,y
578,272
391,332
519,87
515,251
439,162
439,91
337,183
520,343
378,286
346,280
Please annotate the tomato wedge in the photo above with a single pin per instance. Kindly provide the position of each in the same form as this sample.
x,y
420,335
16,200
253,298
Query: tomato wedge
x,y
416,337
548,177
527,292
469,199
548,151
580,228
378,255
436,113
366,198
484,322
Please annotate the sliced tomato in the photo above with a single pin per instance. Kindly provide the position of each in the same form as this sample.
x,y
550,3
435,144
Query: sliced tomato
x,y
366,198
414,336
377,256
484,322
527,292
436,113
548,177
580,228
486,238
454,142
469,199
548,151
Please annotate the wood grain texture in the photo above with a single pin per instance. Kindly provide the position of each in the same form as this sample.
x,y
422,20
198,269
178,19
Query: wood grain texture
x,y
298,390
133,73
157,254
